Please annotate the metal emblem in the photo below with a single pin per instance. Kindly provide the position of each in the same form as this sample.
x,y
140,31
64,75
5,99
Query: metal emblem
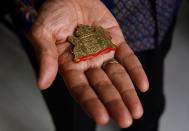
x,y
89,42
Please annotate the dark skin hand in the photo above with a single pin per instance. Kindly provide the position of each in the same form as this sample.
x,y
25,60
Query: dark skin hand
x,y
102,92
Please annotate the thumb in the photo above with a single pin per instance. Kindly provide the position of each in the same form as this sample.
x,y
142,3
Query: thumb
x,y
47,54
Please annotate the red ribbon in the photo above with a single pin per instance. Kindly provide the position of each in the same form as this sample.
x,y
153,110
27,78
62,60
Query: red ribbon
x,y
90,56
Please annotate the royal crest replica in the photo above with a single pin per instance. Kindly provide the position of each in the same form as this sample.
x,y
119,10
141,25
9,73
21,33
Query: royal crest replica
x,y
89,42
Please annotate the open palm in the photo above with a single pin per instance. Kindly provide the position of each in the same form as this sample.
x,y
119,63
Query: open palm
x,y
101,92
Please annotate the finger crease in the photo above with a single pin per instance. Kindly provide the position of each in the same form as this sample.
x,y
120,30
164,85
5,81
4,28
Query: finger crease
x,y
126,90
102,86
89,100
117,73
127,56
136,68
81,86
115,100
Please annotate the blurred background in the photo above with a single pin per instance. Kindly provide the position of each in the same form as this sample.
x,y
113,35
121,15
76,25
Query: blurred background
x,y
23,109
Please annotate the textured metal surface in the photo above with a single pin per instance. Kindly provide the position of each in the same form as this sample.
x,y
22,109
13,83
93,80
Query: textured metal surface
x,y
90,41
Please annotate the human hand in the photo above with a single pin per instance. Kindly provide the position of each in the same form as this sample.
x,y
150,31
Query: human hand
x,y
101,92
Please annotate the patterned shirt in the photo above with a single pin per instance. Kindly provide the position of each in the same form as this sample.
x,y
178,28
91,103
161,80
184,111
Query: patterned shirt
x,y
144,23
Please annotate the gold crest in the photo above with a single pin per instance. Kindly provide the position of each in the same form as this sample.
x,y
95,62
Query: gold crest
x,y
89,42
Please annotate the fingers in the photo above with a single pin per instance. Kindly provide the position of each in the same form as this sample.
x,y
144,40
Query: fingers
x,y
109,96
124,85
82,92
124,53
133,66
47,55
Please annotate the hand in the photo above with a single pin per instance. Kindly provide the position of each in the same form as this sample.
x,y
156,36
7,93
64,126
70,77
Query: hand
x,y
101,92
